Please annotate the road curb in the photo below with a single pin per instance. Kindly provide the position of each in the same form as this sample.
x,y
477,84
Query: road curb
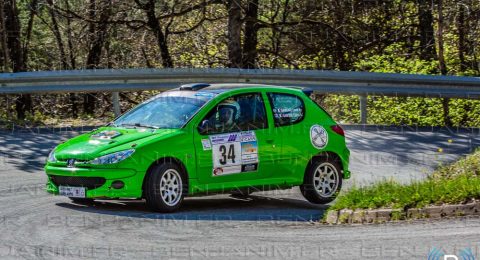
x,y
365,216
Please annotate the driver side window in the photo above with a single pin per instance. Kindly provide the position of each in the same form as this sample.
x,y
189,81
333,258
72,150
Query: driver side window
x,y
237,113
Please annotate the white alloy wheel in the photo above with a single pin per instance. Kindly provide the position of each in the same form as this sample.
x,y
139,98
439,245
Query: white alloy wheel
x,y
171,187
325,179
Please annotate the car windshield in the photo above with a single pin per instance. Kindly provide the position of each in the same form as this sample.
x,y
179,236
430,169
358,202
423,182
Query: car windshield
x,y
171,109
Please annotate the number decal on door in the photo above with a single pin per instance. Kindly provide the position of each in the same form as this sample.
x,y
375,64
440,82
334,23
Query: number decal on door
x,y
234,153
223,158
231,153
224,155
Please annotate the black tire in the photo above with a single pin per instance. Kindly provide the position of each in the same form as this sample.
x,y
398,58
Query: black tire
x,y
154,195
81,200
311,192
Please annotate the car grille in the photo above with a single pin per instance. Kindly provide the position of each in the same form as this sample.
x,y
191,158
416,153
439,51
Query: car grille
x,y
88,182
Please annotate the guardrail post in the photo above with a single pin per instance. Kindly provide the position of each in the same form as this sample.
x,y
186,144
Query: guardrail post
x,y
116,104
363,109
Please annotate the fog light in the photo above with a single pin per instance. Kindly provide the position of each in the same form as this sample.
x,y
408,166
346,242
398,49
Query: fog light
x,y
118,184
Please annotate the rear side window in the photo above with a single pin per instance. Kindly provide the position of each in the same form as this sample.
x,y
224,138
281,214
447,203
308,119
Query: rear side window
x,y
287,109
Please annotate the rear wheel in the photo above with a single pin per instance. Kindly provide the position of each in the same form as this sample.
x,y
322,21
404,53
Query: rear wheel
x,y
165,188
322,181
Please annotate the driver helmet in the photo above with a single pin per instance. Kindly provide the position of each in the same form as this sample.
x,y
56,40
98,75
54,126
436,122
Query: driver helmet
x,y
228,111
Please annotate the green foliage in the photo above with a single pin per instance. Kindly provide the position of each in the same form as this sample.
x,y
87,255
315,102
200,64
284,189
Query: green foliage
x,y
465,112
344,109
348,35
402,110
456,183
392,61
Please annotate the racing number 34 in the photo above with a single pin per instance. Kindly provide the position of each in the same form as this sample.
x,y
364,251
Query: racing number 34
x,y
230,155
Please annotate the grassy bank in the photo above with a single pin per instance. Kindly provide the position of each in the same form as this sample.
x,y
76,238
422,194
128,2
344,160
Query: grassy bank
x,y
453,184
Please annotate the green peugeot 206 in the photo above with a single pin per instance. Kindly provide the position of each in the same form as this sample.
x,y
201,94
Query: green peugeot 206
x,y
203,139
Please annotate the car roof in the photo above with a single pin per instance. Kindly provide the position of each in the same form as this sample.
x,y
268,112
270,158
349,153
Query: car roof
x,y
224,87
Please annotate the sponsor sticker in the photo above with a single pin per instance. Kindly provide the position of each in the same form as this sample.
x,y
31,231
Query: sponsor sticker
x,y
107,134
247,136
280,113
249,158
224,138
204,94
249,167
206,144
234,153
249,147
318,136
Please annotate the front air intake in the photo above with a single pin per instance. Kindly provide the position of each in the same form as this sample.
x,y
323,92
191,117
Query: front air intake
x,y
74,181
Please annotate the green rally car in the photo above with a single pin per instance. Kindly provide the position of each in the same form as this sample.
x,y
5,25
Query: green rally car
x,y
202,139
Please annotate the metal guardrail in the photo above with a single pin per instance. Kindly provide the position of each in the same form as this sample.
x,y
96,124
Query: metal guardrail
x,y
340,82
325,81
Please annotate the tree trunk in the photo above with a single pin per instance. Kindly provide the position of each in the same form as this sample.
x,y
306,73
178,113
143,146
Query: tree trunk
x,y
98,36
339,46
33,12
154,25
461,37
462,50
3,28
441,58
426,31
234,31
73,62
89,98
61,48
23,103
58,35
441,62
251,40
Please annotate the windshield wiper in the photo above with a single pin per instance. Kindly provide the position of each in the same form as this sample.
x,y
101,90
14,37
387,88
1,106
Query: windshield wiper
x,y
140,125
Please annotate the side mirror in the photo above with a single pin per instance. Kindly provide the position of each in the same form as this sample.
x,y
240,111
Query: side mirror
x,y
203,127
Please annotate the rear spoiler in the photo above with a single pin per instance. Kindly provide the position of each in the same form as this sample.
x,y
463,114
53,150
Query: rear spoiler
x,y
307,91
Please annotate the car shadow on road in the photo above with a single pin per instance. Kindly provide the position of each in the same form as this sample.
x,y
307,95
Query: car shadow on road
x,y
219,208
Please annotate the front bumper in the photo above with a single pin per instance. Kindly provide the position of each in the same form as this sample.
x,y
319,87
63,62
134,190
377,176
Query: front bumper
x,y
132,179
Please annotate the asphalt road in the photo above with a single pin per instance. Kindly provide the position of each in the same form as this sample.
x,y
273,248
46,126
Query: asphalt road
x,y
275,224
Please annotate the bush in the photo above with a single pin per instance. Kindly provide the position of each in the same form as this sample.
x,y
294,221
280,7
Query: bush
x,y
453,184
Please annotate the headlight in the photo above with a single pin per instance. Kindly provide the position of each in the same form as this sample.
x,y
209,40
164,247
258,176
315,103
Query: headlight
x,y
113,157
51,156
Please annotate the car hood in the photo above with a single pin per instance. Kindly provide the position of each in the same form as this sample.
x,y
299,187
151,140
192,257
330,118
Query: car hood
x,y
94,144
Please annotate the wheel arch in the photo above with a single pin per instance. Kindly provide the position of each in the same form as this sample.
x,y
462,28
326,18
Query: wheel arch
x,y
323,155
167,159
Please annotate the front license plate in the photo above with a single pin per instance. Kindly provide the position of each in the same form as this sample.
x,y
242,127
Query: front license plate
x,y
74,192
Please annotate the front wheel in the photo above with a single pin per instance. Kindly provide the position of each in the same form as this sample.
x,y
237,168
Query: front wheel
x,y
165,188
322,181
